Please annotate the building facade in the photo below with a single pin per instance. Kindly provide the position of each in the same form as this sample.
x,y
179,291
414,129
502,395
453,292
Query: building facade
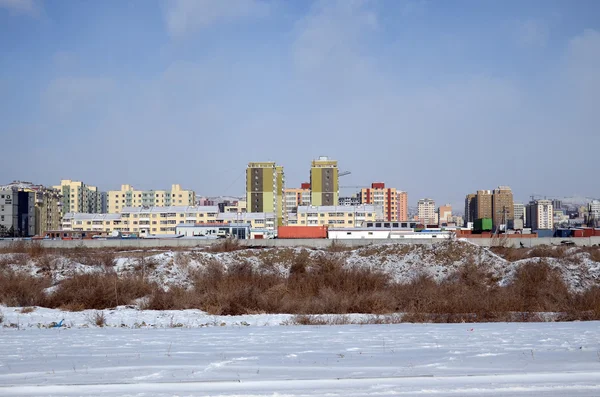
x,y
295,197
17,212
426,212
402,206
470,208
337,216
445,214
324,182
130,197
540,215
148,221
79,197
46,213
265,183
484,204
379,195
502,207
349,200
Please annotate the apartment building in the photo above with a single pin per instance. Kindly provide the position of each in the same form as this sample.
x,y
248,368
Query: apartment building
x,y
444,214
46,212
379,195
484,204
402,206
502,206
17,212
540,215
144,221
324,182
128,196
265,182
295,197
239,206
426,212
470,208
337,216
349,200
79,197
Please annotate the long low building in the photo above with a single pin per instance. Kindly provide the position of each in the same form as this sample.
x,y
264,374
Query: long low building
x,y
336,216
161,220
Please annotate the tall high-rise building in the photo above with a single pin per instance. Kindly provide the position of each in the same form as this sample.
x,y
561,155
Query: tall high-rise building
x,y
129,197
265,183
296,197
79,197
324,175
470,208
444,214
484,204
426,212
402,206
378,194
540,215
502,206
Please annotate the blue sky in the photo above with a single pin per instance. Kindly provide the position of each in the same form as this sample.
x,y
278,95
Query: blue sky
x,y
436,98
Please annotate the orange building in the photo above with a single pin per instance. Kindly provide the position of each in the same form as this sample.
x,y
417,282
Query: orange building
x,y
394,203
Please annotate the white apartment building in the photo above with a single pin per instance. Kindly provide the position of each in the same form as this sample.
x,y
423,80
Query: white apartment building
x,y
541,215
426,212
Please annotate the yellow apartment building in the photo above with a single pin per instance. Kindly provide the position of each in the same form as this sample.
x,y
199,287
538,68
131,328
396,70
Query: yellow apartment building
x,y
324,182
128,196
144,221
265,182
336,216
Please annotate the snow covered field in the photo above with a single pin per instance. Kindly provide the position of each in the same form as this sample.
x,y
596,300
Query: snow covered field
x,y
515,359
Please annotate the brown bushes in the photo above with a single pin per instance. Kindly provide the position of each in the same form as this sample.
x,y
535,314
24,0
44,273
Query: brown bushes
x,y
98,291
20,289
226,245
317,284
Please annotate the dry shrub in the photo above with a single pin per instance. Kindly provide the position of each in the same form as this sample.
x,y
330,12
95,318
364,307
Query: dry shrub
x,y
336,246
97,318
546,251
511,254
99,291
176,298
28,309
20,289
538,287
226,245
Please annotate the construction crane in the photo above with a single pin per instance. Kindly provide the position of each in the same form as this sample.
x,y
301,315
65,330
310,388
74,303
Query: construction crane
x,y
344,173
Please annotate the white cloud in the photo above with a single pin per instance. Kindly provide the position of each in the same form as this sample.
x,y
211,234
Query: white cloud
x,y
187,16
533,33
27,7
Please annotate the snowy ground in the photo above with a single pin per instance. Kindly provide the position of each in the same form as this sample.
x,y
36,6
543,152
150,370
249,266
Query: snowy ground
x,y
516,359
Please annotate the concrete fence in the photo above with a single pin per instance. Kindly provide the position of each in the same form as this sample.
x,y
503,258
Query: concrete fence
x,y
309,243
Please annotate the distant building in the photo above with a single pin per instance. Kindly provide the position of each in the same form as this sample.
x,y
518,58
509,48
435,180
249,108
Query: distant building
x,y
484,204
144,221
426,212
46,214
79,197
324,182
265,182
593,213
502,206
402,206
351,200
540,215
337,216
470,208
378,194
129,197
445,214
295,197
